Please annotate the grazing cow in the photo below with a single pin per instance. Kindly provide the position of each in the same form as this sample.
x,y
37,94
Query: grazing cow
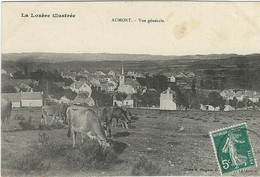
x,y
6,109
85,121
120,114
106,116
55,111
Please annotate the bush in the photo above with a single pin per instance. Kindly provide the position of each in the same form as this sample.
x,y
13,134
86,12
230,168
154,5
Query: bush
x,y
37,155
91,156
19,117
29,162
143,167
27,125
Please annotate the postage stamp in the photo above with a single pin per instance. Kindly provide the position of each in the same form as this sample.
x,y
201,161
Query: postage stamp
x,y
232,148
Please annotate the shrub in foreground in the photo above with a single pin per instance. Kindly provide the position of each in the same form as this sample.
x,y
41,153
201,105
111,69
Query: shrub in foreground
x,y
91,155
145,167
27,124
38,154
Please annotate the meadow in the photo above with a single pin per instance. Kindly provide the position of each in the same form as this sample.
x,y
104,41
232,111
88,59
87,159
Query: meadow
x,y
158,143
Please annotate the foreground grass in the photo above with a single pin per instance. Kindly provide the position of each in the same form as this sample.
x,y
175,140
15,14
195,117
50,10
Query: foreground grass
x,y
176,142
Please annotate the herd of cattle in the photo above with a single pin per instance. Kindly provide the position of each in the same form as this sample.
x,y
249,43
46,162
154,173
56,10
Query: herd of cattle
x,y
91,121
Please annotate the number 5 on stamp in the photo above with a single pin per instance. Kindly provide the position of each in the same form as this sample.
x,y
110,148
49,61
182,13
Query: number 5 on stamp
x,y
232,148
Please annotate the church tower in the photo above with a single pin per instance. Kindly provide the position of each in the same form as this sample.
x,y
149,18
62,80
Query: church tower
x,y
122,77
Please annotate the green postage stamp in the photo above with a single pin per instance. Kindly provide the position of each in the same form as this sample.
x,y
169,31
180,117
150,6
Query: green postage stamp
x,y
232,148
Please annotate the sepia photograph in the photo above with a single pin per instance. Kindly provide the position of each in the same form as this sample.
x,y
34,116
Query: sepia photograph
x,y
130,88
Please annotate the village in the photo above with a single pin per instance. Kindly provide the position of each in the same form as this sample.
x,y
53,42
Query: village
x,y
131,89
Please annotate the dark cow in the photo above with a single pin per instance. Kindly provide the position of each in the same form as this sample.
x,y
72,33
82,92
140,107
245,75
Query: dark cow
x,y
6,109
106,116
56,111
85,121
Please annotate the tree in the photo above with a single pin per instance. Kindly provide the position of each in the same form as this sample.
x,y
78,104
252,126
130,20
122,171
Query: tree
x,y
193,86
136,97
150,98
216,100
233,103
8,89
242,104
19,75
68,81
69,94
121,96
26,72
203,99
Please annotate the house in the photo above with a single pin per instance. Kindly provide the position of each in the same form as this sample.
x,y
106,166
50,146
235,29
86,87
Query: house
x,y
59,84
171,79
66,87
128,102
111,73
94,81
208,108
240,95
228,94
64,99
139,75
105,78
128,89
252,96
99,73
115,84
103,86
69,75
31,99
131,74
83,101
118,103
110,87
15,98
167,100
180,75
190,74
133,82
228,108
79,86
25,88
82,74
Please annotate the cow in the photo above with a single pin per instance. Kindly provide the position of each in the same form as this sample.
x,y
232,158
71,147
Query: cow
x,y
85,121
106,116
6,109
54,111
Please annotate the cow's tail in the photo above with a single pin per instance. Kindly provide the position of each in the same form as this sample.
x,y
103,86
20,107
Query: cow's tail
x,y
69,132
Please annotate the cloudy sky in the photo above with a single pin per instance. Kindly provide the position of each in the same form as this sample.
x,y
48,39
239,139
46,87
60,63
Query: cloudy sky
x,y
188,28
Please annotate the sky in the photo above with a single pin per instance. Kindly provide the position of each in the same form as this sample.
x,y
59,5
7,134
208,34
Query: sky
x,y
189,28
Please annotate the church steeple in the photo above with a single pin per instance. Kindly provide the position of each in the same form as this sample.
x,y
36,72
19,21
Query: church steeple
x,y
122,70
122,77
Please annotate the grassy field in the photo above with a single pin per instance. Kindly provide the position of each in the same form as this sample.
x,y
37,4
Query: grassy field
x,y
157,135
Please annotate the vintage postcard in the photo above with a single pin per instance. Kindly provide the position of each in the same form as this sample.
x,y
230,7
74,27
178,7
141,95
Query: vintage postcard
x,y
130,88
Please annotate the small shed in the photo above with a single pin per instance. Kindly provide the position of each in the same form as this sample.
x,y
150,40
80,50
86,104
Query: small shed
x,y
31,99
